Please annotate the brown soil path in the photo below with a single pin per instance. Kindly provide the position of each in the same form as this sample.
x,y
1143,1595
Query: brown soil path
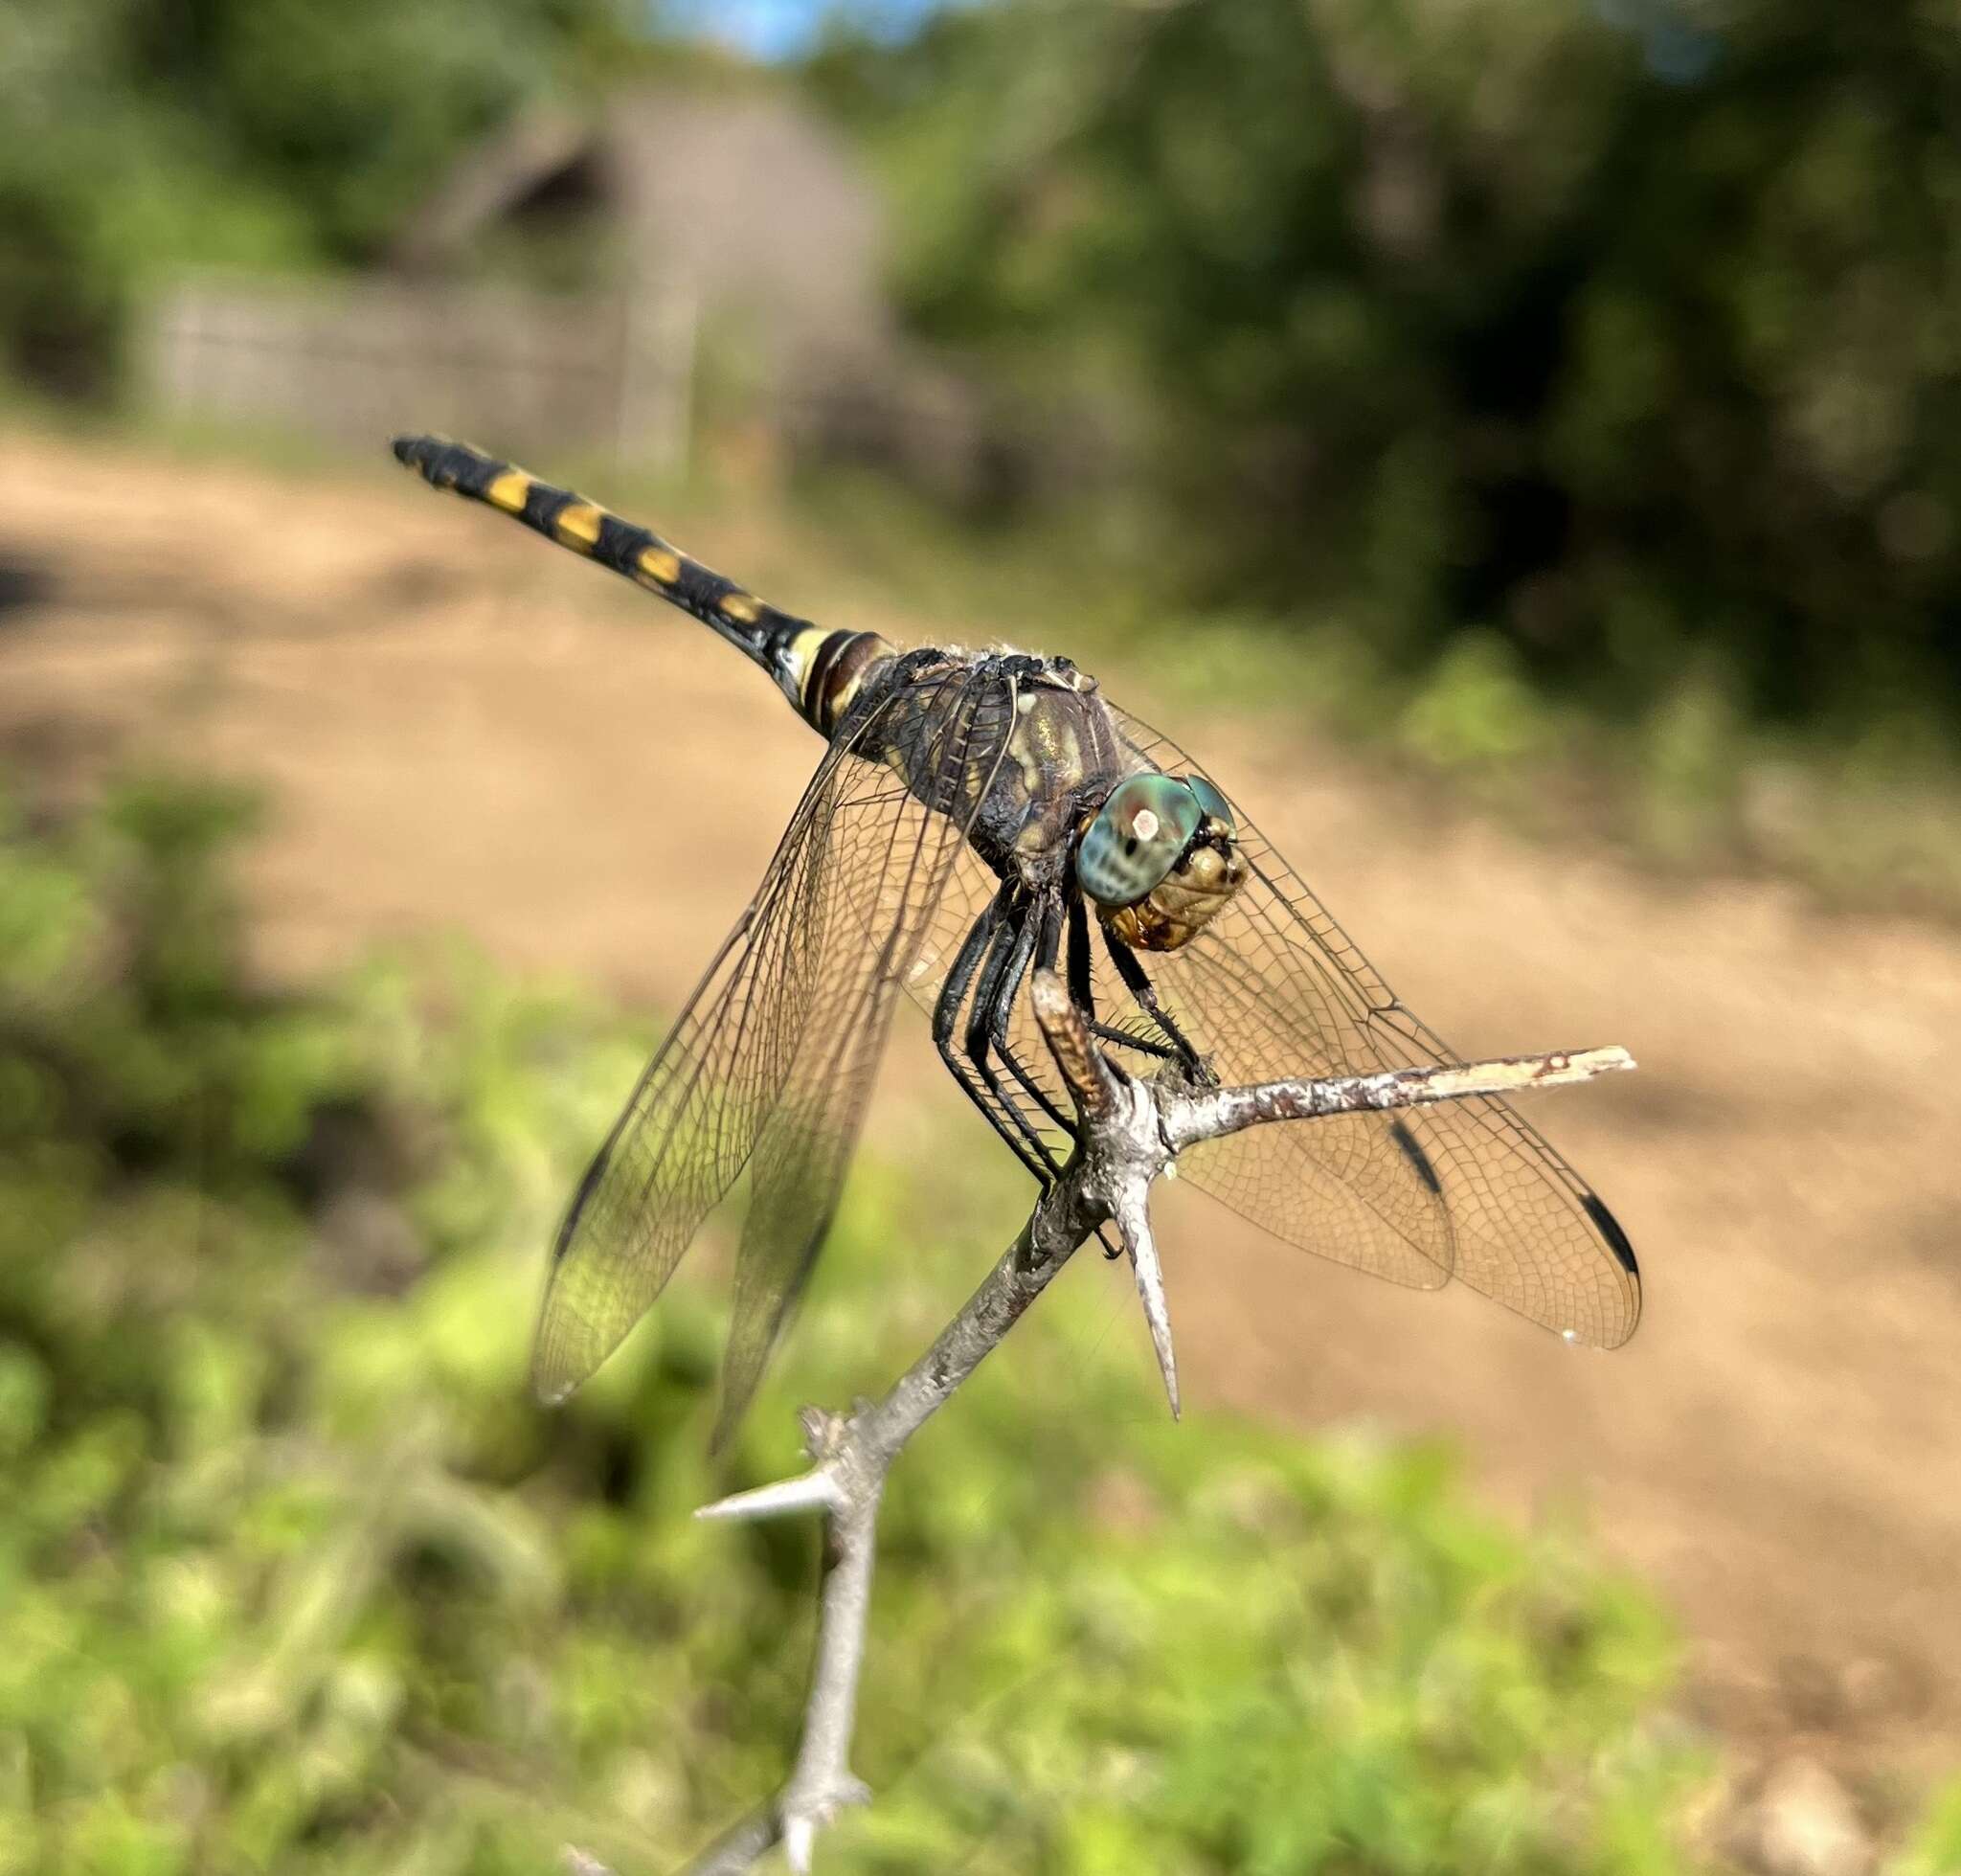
x,y
461,728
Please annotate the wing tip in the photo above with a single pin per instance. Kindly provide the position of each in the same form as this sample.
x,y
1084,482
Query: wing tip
x,y
1615,1238
557,1371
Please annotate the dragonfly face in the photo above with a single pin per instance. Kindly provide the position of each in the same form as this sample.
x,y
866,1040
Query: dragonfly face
x,y
1160,859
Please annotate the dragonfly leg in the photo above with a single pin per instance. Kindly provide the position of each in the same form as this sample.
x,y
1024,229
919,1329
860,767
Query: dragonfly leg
x,y
1138,984
979,942
1046,945
1123,1039
1007,963
966,961
1082,991
1040,941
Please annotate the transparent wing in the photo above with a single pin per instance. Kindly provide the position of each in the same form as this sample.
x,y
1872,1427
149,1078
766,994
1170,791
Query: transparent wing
x,y
889,858
1273,986
1373,1210
773,1056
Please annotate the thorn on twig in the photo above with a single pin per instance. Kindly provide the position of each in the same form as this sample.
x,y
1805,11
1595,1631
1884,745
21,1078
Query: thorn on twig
x,y
811,1491
1142,1247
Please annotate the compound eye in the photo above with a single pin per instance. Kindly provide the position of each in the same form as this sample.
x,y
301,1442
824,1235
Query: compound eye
x,y
1136,839
1211,803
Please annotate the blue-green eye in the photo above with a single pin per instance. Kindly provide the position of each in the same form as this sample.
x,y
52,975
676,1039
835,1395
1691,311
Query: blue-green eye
x,y
1136,838
1211,803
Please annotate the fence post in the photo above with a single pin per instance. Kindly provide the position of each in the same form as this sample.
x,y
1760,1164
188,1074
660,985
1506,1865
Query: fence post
x,y
659,321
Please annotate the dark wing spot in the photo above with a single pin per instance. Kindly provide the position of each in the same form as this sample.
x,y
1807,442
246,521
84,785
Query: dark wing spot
x,y
1400,1132
589,1180
1609,1227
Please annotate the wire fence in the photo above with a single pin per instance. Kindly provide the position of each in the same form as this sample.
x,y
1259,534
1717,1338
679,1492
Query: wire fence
x,y
613,375
343,361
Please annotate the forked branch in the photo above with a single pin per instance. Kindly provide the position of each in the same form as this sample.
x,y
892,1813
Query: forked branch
x,y
1132,1133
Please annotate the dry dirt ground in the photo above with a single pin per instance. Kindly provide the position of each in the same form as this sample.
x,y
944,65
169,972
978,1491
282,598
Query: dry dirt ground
x,y
461,728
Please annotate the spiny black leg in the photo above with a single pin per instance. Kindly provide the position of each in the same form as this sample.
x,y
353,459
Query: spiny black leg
x,y
1048,932
1140,987
1007,959
1082,992
1161,1051
1040,942
1007,930
966,961
986,929
1007,963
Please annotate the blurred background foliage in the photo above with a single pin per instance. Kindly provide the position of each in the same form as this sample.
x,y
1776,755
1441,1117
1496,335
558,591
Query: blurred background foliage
x,y
1624,333
1559,393
1572,387
148,135
295,1577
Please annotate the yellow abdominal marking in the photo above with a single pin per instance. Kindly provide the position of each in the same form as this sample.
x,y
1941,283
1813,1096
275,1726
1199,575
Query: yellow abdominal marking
x,y
578,525
802,649
661,565
741,606
509,491
846,695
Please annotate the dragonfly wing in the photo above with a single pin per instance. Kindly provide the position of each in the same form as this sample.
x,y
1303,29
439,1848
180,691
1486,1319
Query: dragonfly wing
x,y
1274,987
783,999
1370,1209
1367,1208
870,910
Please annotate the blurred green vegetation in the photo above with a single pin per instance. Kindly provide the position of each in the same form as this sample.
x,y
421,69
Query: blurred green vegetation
x,y
1689,786
1936,1849
1610,348
296,1577
145,136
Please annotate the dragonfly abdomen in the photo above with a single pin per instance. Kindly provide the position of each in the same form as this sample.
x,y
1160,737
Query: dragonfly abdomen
x,y
819,670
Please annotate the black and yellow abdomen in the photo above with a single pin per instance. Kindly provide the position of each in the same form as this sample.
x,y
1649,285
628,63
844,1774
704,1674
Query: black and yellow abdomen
x,y
819,670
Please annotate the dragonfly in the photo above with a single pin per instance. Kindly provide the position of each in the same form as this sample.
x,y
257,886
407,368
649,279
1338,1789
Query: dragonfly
x,y
978,815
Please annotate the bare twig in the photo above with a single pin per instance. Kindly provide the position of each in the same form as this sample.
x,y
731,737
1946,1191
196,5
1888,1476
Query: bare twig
x,y
1132,1133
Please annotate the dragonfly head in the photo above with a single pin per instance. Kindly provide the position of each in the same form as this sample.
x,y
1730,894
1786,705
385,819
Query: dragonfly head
x,y
1159,858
